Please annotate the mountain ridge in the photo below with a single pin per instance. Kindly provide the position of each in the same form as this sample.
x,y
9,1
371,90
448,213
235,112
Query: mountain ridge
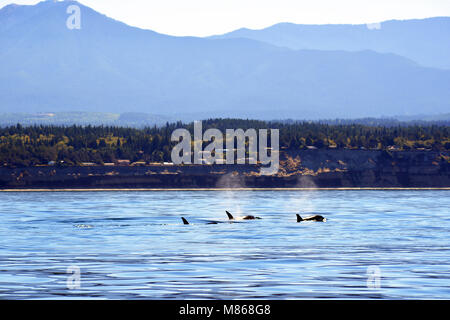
x,y
422,40
108,66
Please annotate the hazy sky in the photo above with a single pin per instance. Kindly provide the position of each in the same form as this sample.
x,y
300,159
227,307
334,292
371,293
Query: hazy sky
x,y
207,17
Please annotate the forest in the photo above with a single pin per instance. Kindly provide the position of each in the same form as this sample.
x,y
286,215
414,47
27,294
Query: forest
x,y
24,146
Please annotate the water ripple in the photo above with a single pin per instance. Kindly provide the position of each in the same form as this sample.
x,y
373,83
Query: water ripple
x,y
133,245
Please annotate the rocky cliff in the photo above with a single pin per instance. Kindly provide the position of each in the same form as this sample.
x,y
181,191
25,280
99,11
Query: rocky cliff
x,y
299,169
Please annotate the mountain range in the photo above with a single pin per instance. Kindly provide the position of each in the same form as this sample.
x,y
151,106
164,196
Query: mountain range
x,y
108,66
424,41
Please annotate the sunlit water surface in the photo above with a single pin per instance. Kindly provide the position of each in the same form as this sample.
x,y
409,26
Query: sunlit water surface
x,y
133,245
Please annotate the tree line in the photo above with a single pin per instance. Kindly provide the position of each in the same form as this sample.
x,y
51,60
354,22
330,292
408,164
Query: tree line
x,y
22,146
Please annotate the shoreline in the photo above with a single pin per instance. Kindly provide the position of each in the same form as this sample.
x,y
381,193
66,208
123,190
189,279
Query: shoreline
x,y
300,170
225,189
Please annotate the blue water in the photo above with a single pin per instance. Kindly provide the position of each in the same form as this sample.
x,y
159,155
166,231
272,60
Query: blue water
x,y
133,245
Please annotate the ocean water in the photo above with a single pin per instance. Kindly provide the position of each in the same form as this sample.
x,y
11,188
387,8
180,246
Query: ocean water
x,y
133,245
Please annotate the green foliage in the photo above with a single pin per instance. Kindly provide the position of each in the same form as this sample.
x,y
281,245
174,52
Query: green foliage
x,y
38,145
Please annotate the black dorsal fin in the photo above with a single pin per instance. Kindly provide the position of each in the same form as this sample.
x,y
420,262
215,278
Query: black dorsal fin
x,y
184,220
230,216
299,218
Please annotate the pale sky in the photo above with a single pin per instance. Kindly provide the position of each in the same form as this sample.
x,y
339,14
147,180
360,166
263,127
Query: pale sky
x,y
208,17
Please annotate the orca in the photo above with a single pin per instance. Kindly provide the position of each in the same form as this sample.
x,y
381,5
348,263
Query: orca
x,y
207,222
230,217
316,217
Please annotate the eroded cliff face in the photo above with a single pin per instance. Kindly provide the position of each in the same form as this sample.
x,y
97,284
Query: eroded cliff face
x,y
368,168
299,169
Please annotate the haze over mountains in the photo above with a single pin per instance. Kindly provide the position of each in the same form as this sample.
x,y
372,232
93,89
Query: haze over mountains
x,y
107,66
425,41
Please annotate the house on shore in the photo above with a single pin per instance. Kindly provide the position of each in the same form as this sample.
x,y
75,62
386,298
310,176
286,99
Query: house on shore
x,y
123,162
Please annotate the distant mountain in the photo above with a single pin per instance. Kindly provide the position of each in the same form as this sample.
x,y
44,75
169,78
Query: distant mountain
x,y
140,120
425,41
110,67
83,118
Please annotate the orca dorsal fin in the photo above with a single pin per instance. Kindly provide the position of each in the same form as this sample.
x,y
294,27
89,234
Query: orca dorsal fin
x,y
299,218
184,220
230,216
